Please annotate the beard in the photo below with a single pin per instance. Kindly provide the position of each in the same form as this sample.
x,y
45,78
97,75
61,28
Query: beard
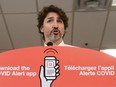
x,y
55,37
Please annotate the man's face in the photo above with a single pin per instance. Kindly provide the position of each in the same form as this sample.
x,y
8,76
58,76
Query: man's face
x,y
53,27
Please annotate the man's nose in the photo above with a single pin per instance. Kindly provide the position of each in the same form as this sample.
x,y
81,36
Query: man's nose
x,y
55,25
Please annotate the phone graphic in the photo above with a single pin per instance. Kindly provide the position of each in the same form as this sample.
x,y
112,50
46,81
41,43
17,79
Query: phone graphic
x,y
50,63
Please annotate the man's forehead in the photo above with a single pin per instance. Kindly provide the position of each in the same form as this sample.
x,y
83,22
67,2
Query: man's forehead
x,y
52,15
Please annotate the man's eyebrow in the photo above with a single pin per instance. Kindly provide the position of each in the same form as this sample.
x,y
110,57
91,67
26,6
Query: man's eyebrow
x,y
50,18
53,17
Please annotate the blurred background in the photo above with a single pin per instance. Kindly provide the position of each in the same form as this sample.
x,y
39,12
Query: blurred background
x,y
92,23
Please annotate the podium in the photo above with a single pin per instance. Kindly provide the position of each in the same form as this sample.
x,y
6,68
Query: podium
x,y
79,67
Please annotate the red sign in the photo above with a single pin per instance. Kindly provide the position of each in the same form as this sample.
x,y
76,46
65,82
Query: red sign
x,y
79,67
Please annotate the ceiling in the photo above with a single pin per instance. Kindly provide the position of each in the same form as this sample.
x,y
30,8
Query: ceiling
x,y
88,29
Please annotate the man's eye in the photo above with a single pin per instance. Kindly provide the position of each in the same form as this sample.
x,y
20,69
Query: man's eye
x,y
60,21
49,21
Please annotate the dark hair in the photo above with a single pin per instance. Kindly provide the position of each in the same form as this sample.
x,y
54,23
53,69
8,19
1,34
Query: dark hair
x,y
43,13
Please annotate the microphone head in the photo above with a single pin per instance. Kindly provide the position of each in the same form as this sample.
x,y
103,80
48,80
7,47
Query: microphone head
x,y
49,44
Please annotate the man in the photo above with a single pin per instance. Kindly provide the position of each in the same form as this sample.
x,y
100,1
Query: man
x,y
52,24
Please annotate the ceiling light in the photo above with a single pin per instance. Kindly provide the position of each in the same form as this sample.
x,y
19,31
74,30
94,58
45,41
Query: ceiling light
x,y
114,3
92,5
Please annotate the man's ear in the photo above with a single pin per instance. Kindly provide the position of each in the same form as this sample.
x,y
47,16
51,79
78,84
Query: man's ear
x,y
41,29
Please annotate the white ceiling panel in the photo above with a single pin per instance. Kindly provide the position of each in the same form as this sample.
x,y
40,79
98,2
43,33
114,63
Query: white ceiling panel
x,y
88,28
18,6
4,38
68,34
60,3
0,10
23,30
109,40
113,8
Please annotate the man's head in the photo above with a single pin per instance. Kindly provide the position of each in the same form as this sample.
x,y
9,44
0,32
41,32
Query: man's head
x,y
52,23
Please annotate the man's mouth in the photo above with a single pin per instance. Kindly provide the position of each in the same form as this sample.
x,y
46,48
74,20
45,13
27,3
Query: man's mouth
x,y
55,32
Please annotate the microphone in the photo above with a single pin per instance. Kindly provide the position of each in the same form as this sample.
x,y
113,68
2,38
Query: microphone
x,y
49,44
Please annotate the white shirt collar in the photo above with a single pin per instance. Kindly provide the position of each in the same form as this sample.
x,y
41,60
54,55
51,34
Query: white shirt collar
x,y
61,44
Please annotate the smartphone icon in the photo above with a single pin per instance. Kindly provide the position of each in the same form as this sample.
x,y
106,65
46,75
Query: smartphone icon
x,y
50,63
